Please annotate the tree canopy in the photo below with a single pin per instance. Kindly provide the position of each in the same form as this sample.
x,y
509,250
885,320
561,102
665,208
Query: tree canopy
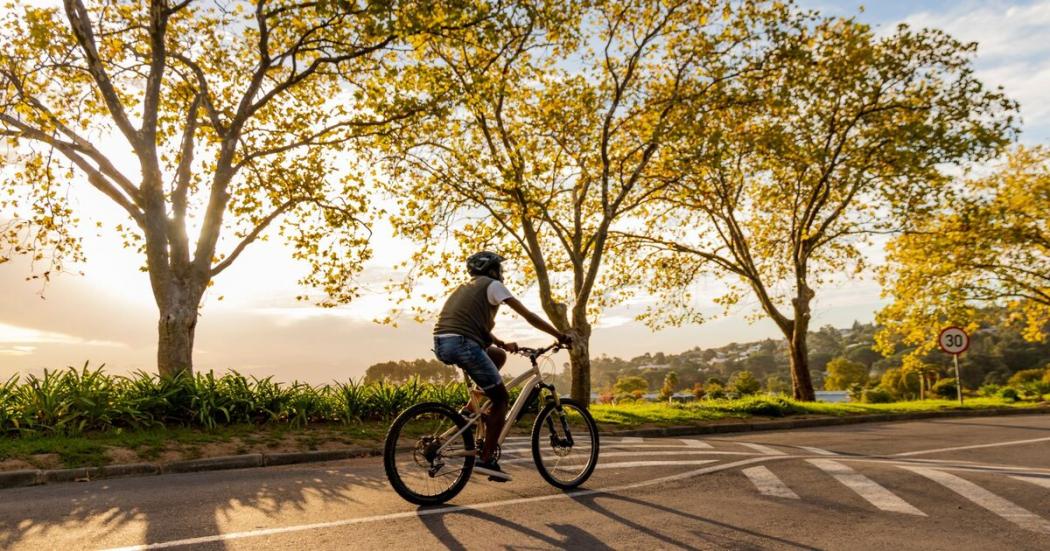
x,y
987,245
550,141
207,124
842,130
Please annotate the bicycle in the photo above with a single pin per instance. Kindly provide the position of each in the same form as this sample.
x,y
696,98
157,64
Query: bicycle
x,y
430,449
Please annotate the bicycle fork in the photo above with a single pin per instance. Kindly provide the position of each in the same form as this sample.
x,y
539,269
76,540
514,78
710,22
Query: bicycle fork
x,y
557,441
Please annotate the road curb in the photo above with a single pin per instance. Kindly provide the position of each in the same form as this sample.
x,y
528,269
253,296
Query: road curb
x,y
292,458
35,477
220,463
15,479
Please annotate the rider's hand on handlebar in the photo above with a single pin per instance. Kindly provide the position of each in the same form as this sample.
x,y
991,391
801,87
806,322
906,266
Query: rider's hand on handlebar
x,y
565,339
511,347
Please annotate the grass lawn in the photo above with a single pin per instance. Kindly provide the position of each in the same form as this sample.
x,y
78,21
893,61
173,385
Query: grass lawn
x,y
173,444
633,415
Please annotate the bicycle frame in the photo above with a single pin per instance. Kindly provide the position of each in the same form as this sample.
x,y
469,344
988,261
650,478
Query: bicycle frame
x,y
530,380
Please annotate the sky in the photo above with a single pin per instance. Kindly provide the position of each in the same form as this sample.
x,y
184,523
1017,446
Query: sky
x,y
107,315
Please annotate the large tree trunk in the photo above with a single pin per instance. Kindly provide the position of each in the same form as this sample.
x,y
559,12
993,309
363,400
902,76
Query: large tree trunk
x,y
801,380
580,359
176,328
580,365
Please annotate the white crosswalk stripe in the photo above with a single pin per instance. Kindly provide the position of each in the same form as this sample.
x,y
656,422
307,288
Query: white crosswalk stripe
x,y
631,440
768,483
1044,482
865,487
696,443
998,505
762,448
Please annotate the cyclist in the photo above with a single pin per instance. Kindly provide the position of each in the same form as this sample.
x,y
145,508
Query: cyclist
x,y
463,337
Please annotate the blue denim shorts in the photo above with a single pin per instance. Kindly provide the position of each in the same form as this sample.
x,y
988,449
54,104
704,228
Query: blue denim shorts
x,y
470,357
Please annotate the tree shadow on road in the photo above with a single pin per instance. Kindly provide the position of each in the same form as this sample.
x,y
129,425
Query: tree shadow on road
x,y
134,511
572,537
723,536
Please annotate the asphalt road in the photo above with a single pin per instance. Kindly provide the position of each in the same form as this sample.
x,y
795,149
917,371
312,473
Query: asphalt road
x,y
976,483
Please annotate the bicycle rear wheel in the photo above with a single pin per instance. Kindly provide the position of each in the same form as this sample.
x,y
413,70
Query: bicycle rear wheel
x,y
425,461
565,444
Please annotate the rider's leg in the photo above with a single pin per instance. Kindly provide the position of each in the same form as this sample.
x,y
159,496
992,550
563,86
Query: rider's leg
x,y
497,355
494,419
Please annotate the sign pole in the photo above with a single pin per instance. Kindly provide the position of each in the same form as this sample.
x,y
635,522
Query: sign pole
x,y
958,381
954,341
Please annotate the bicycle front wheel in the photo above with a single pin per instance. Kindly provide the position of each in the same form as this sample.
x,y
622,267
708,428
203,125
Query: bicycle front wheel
x,y
565,444
427,457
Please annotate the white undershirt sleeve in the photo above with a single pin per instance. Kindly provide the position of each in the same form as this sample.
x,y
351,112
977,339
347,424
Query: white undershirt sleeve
x,y
497,293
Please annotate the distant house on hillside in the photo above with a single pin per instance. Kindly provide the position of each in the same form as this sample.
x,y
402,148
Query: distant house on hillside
x,y
655,367
832,396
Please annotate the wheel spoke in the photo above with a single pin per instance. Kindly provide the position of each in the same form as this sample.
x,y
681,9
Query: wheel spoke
x,y
428,458
566,466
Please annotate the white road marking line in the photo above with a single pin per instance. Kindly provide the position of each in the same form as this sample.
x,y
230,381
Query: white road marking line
x,y
437,510
630,464
1044,482
1000,506
767,483
762,448
631,440
607,446
696,443
949,465
817,451
865,487
1011,443
637,454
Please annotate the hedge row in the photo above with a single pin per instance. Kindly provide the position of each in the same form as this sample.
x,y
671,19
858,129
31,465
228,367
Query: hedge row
x,y
73,401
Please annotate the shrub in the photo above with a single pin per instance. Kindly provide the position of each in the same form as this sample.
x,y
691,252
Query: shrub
x,y
1033,391
901,384
945,388
744,383
669,386
1025,376
627,385
877,395
775,384
714,391
989,390
698,391
768,406
842,373
1008,394
72,401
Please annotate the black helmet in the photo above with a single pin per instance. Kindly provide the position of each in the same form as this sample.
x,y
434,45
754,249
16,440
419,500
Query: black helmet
x,y
485,263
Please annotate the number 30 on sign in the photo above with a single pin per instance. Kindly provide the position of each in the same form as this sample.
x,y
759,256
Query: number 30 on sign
x,y
953,340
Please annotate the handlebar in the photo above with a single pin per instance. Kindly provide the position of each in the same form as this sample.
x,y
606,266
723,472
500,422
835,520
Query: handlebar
x,y
532,353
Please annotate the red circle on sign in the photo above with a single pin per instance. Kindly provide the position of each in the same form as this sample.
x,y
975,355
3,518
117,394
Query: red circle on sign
x,y
965,344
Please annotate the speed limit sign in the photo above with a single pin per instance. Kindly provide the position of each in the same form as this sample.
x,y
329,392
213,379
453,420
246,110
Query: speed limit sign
x,y
953,340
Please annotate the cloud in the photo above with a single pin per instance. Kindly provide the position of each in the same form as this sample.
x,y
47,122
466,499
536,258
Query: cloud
x,y
16,350
1003,30
1013,51
12,334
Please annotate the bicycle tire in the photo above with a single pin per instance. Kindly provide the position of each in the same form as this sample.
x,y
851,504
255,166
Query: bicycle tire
x,y
592,427
389,453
